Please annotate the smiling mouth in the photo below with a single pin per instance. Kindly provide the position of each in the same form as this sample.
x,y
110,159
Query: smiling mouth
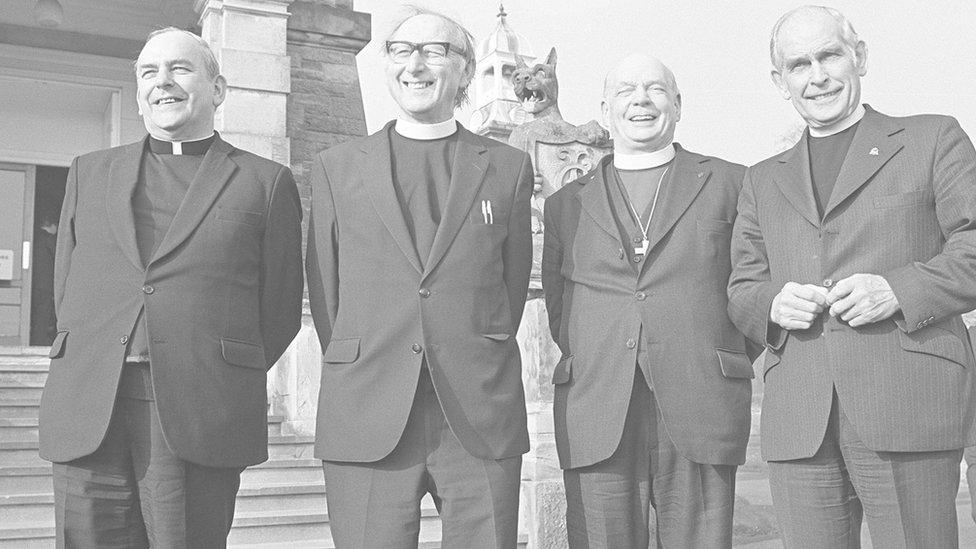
x,y
168,100
642,118
825,95
418,85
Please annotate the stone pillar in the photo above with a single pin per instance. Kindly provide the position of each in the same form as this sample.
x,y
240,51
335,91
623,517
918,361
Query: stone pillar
x,y
543,500
324,107
249,39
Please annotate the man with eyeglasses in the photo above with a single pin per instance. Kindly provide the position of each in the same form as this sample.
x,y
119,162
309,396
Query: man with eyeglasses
x,y
419,252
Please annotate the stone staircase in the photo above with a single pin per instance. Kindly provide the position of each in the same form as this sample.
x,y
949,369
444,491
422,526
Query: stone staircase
x,y
281,503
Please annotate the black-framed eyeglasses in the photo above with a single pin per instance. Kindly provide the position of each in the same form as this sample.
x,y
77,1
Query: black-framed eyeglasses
x,y
434,52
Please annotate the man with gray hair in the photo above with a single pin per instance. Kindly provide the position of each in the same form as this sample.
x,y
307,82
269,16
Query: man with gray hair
x,y
854,255
177,285
653,390
419,252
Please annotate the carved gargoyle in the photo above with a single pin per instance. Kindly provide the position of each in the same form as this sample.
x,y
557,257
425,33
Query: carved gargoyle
x,y
537,89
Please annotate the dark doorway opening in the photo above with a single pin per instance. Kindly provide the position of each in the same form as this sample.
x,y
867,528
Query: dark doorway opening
x,y
48,197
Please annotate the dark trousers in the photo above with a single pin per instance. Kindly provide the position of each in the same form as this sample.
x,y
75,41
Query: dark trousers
x,y
607,503
908,498
133,492
377,504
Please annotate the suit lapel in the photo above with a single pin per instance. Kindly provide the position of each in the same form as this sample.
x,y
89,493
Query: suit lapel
x,y
795,182
595,202
377,177
122,178
873,145
687,177
467,175
213,175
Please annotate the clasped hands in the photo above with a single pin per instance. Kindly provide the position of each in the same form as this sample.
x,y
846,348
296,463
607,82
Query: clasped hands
x,y
857,300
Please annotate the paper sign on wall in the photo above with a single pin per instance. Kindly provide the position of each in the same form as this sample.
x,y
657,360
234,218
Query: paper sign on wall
x,y
6,264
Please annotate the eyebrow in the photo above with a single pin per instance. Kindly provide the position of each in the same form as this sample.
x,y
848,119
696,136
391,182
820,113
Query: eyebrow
x,y
168,63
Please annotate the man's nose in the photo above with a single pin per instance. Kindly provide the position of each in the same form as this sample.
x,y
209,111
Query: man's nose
x,y
416,62
817,73
640,96
164,78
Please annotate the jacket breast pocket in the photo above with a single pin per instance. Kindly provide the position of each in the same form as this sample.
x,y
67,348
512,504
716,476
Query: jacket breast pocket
x,y
244,217
243,353
342,351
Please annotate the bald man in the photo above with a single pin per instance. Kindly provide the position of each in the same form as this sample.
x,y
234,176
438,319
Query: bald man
x,y
855,254
653,389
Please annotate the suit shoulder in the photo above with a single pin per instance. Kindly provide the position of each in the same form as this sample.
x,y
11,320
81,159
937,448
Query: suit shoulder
x,y
260,164
110,154
501,150
342,150
715,163
573,187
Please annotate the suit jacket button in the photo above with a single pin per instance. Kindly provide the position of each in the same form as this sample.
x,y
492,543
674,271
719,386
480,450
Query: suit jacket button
x,y
641,296
637,258
631,343
424,292
416,348
147,289
828,282
124,339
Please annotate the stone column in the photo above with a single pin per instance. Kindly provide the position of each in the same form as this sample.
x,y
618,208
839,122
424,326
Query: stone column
x,y
249,39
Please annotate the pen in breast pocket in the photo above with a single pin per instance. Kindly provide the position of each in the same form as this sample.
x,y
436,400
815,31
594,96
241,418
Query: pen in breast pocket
x,y
484,211
491,216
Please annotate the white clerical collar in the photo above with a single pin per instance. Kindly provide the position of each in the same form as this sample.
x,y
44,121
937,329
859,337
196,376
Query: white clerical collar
x,y
838,127
425,132
643,161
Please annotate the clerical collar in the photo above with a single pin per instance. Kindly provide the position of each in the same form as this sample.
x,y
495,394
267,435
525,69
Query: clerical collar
x,y
426,132
194,148
838,127
643,161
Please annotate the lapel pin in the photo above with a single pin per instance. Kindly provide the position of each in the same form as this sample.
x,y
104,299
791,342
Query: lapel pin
x,y
701,174
874,152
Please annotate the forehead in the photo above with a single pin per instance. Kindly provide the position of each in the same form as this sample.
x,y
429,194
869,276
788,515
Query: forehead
x,y
639,71
171,45
807,33
426,28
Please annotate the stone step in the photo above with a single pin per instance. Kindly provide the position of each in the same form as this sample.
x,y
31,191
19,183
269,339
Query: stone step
x,y
282,497
19,452
40,534
29,377
291,447
18,428
26,479
10,391
283,471
26,508
19,407
24,362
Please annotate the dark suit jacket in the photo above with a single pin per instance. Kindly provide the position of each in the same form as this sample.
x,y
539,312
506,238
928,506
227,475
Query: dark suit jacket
x,y
378,313
222,297
903,207
598,306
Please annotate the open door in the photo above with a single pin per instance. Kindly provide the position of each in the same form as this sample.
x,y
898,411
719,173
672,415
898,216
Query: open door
x,y
16,236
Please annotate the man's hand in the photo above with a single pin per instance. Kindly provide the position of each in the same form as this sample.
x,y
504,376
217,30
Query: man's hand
x,y
862,299
797,305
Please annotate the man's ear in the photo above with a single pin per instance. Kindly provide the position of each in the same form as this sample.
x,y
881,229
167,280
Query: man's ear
x,y
780,84
677,107
861,57
220,90
605,114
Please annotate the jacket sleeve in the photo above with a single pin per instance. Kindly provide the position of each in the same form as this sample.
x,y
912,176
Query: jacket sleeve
x,y
322,261
517,250
945,285
553,283
66,237
750,290
281,268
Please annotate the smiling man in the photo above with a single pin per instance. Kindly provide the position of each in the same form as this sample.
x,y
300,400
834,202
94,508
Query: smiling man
x,y
419,252
854,254
177,285
652,392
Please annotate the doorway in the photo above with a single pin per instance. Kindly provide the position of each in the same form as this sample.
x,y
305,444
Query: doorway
x,y
30,204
